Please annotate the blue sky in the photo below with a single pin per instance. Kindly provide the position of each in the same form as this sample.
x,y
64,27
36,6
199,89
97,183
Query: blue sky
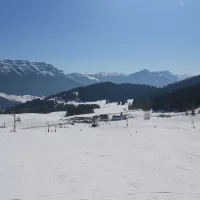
x,y
103,35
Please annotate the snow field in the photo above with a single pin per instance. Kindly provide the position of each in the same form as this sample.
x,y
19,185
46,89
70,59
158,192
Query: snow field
x,y
157,159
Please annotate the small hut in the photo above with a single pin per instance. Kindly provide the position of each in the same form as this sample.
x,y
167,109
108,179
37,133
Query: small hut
x,y
118,117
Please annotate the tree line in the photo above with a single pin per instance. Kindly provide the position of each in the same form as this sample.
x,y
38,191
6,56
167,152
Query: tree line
x,y
48,106
186,99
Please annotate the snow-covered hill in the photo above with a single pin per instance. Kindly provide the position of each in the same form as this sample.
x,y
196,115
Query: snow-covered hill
x,y
9,100
146,77
148,159
21,99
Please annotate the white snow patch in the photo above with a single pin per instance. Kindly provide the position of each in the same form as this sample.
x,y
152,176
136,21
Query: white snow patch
x,y
22,99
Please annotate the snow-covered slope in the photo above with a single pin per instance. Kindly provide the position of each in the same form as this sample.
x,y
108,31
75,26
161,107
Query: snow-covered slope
x,y
147,77
149,159
8,100
21,99
21,77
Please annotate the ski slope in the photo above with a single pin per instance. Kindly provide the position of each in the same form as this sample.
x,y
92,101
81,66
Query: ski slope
x,y
158,159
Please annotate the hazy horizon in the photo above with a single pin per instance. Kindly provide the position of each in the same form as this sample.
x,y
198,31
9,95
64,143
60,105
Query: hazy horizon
x,y
111,36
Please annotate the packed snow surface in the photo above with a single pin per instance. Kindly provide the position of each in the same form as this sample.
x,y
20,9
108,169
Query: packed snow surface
x,y
156,159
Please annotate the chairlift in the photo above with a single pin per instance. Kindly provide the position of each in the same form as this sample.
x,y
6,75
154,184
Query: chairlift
x,y
18,119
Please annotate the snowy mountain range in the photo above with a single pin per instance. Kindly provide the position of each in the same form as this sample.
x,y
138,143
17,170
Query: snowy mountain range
x,y
21,77
158,79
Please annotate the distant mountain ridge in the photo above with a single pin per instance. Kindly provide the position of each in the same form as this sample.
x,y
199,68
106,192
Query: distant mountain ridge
x,y
174,97
145,77
91,78
21,77
21,67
